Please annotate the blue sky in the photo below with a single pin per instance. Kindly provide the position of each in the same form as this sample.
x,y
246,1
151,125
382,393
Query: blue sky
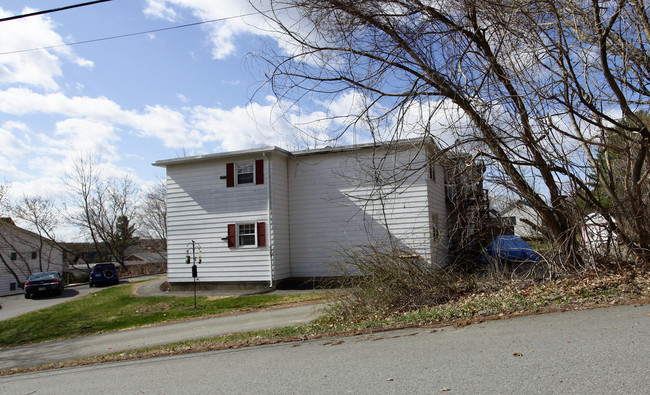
x,y
134,100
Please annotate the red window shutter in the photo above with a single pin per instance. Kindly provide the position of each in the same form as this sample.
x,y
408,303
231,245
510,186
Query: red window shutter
x,y
232,236
230,175
261,234
259,171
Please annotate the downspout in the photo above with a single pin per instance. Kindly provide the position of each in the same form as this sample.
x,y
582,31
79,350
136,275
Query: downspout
x,y
269,231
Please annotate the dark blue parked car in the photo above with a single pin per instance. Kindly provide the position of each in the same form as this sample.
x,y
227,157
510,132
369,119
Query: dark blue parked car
x,y
505,249
43,283
103,274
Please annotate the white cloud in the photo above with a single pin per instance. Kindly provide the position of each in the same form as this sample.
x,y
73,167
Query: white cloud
x,y
75,135
38,68
12,145
263,124
235,129
231,82
14,142
92,122
159,9
21,101
222,34
16,125
165,124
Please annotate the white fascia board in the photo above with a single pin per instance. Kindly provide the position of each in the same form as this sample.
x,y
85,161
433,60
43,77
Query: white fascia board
x,y
220,155
326,150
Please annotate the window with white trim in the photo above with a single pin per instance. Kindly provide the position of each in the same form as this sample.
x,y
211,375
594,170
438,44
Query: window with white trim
x,y
245,172
246,235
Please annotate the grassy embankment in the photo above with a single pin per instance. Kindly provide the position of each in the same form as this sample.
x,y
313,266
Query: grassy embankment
x,y
117,308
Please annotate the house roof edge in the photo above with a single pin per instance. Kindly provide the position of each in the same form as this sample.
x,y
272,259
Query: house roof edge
x,y
315,151
357,147
219,155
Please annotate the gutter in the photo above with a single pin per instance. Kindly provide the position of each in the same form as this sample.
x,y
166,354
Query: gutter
x,y
269,216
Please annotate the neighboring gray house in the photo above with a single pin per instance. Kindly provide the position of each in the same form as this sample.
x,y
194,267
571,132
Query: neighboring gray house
x,y
23,252
146,262
267,215
145,258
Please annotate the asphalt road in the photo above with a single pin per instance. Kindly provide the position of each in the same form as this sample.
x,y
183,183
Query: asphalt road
x,y
602,351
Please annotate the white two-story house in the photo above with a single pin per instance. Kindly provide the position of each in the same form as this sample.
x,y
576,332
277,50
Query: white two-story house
x,y
22,253
262,216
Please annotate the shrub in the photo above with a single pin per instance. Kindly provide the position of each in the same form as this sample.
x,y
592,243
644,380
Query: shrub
x,y
387,280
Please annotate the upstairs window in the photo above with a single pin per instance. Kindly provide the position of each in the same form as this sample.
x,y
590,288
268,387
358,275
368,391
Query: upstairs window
x,y
245,173
34,254
14,256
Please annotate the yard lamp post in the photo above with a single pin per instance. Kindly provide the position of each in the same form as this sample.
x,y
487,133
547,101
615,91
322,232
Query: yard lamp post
x,y
192,259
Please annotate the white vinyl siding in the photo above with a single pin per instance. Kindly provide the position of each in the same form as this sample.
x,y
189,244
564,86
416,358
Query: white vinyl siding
x,y
438,209
278,229
330,212
200,207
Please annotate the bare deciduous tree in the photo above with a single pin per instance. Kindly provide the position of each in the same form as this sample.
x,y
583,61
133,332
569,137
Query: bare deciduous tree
x,y
3,193
103,208
81,184
531,86
153,214
42,216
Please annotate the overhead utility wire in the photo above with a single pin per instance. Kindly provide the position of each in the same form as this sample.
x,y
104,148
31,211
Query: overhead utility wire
x,y
130,34
10,18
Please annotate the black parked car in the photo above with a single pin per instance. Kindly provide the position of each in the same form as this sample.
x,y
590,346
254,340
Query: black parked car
x,y
104,273
43,283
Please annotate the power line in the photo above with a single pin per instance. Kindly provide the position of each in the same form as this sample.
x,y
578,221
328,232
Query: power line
x,y
10,18
128,34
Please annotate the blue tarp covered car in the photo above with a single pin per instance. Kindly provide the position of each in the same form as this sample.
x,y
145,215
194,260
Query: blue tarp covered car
x,y
508,249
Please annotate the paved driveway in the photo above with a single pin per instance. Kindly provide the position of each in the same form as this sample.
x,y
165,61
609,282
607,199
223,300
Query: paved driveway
x,y
15,305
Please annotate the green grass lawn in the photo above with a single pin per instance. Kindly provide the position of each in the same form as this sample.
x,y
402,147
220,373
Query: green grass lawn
x,y
118,308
